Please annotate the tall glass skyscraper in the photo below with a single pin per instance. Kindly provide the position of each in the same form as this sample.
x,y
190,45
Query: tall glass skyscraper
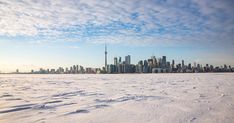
x,y
164,61
128,59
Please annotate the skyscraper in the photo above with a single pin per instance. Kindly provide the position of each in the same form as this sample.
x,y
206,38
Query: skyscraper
x,y
160,62
140,66
164,61
183,64
120,60
173,63
115,61
145,67
128,59
105,57
154,61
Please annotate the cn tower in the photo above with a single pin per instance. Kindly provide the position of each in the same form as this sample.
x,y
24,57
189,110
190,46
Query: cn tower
x,y
105,57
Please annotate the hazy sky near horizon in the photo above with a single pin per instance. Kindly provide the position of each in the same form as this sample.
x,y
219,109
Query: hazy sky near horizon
x,y
53,33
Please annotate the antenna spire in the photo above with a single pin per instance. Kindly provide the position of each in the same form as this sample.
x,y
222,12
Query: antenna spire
x,y
105,57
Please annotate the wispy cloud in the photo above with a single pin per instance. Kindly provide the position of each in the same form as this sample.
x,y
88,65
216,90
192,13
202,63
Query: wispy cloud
x,y
172,22
74,47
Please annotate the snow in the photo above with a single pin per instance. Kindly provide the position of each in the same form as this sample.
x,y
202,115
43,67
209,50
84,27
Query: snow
x,y
117,98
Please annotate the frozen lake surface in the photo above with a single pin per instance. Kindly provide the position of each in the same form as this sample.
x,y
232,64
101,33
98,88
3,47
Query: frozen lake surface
x,y
127,98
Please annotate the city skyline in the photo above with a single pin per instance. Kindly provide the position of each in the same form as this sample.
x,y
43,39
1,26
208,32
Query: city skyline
x,y
150,65
50,34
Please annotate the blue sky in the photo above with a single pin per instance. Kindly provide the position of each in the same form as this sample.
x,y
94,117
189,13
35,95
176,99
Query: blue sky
x,y
49,34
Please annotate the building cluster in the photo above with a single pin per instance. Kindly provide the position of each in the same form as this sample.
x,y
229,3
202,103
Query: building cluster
x,y
75,69
161,65
120,66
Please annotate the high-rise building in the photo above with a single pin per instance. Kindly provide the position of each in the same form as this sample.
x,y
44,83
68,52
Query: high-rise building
x,y
71,69
145,67
183,64
67,71
120,60
77,68
160,62
128,59
173,64
154,61
164,61
140,66
189,66
115,61
110,68
194,65
150,65
198,66
74,69
105,57
116,64
168,65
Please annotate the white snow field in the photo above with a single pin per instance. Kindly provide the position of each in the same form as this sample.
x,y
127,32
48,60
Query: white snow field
x,y
119,98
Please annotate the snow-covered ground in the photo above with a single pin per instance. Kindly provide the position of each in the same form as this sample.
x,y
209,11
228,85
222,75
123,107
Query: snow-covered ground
x,y
127,98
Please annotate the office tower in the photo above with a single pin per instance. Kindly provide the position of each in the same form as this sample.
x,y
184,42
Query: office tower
x,y
115,64
173,64
105,57
140,62
225,66
52,71
211,67
140,66
74,69
67,71
115,61
160,62
145,67
48,71
164,61
77,68
110,68
150,65
179,66
189,66
128,59
168,65
120,60
70,69
206,68
182,63
198,66
150,61
120,68
41,70
154,61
